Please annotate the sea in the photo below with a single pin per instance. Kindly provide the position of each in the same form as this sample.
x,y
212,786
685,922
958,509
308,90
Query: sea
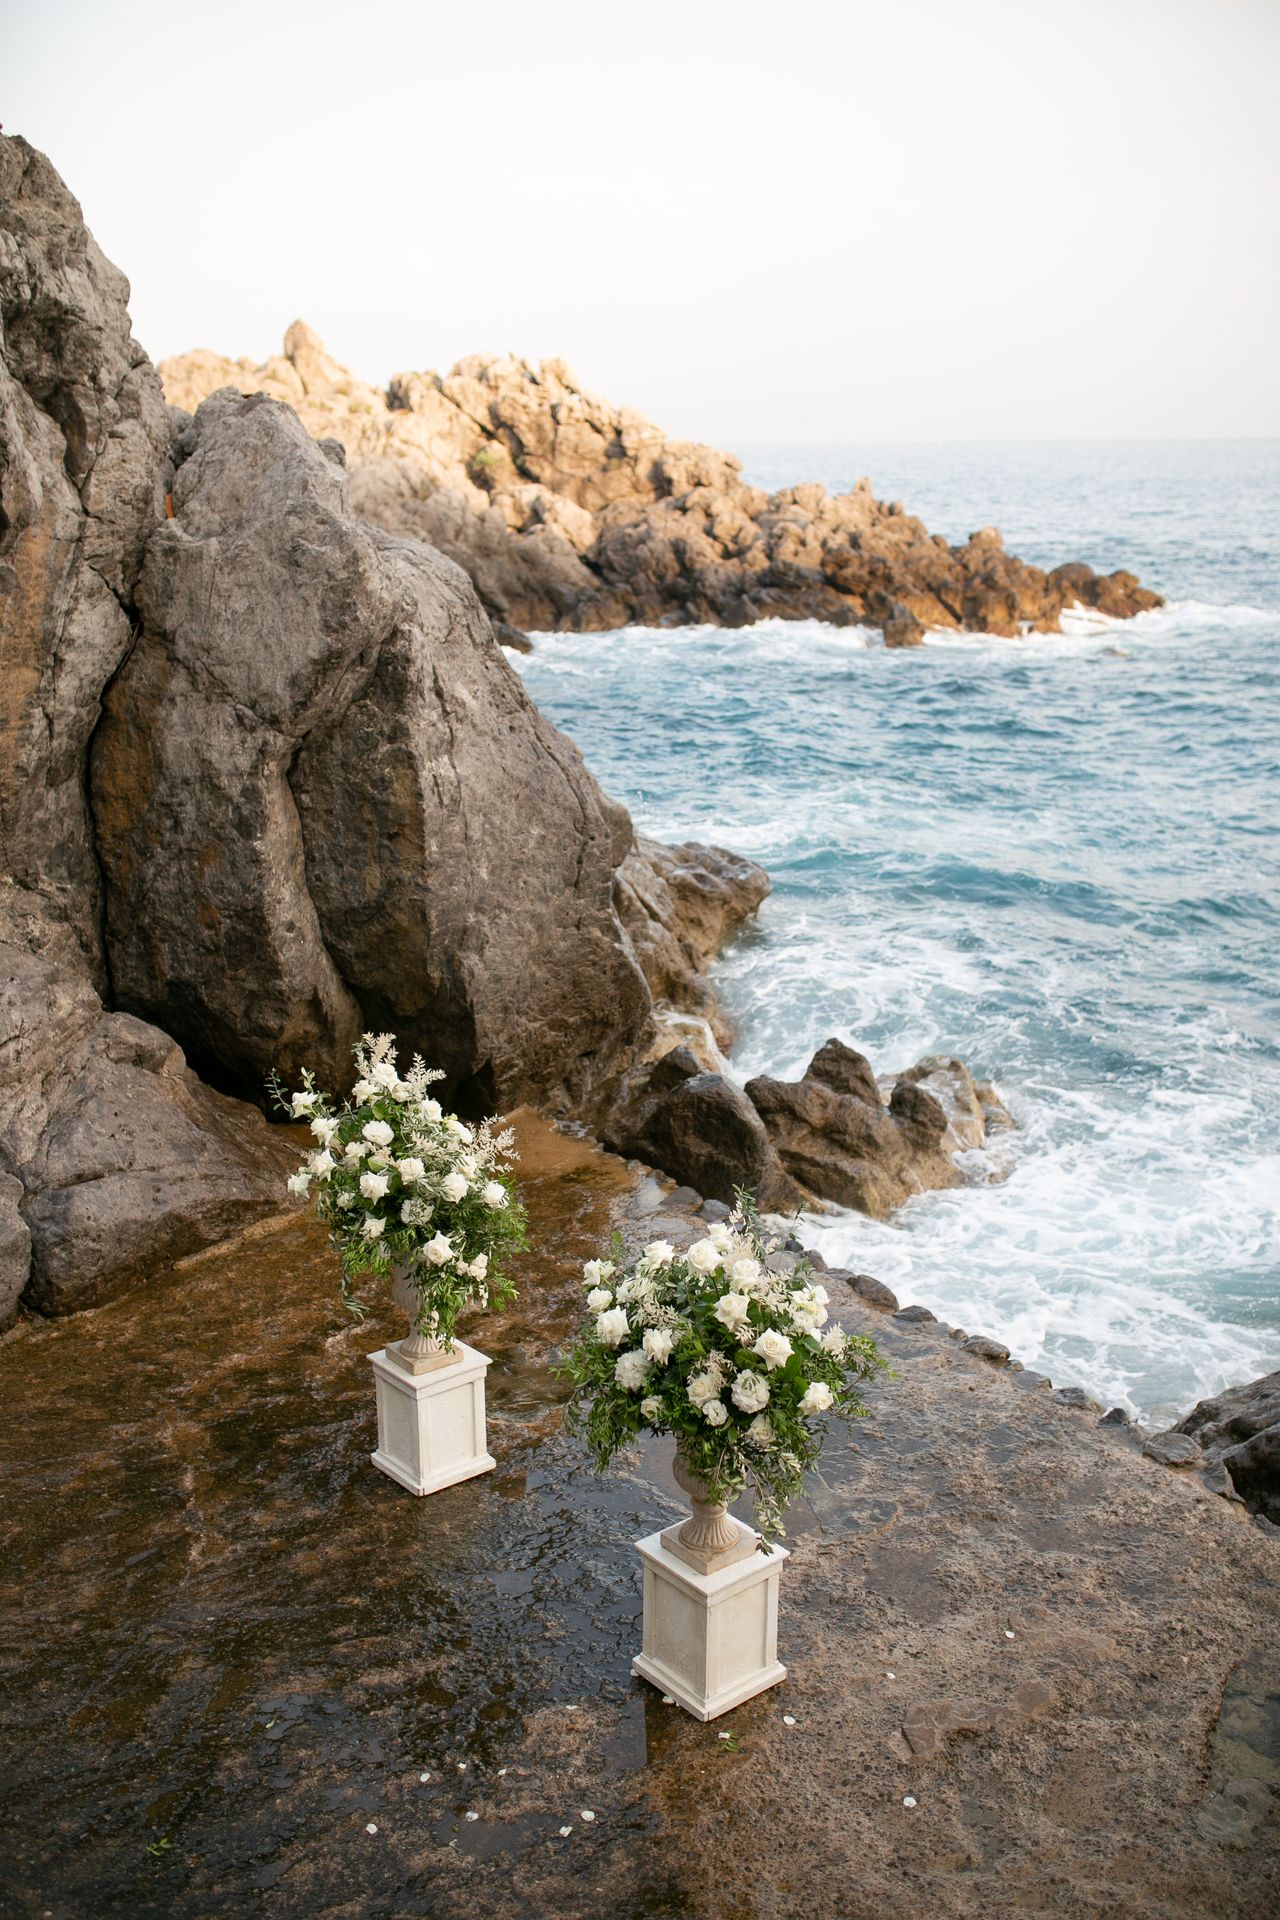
x,y
1057,857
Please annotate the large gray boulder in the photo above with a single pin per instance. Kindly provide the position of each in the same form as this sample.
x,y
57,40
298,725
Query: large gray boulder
x,y
83,460
122,1160
324,800
702,1130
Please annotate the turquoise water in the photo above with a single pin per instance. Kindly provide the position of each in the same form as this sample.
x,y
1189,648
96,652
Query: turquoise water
x,y
1056,857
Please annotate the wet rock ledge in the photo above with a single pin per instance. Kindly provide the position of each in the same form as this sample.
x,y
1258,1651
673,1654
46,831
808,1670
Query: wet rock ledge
x,y
254,1647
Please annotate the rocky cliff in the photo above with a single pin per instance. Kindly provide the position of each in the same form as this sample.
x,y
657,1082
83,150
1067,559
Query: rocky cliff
x,y
569,512
266,780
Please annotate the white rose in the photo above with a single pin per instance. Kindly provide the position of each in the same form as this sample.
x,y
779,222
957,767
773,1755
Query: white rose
x,y
385,1076
364,1090
773,1347
439,1250
354,1150
660,1253
494,1194
453,1186
651,1408
299,1183
760,1432
720,1236
594,1271
658,1343
744,1271
703,1387
834,1341
750,1392
302,1103
324,1129
817,1398
373,1228
402,1093
631,1370
731,1311
432,1110
378,1133
411,1170
598,1299
322,1164
611,1327
704,1256
373,1185
715,1413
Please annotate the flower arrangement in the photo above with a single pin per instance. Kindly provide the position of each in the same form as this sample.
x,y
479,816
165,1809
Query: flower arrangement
x,y
408,1190
716,1347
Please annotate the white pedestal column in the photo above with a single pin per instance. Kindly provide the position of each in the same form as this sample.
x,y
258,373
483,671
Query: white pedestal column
x,y
710,1639
431,1426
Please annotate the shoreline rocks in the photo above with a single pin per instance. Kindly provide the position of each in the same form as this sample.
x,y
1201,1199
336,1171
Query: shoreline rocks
x,y
1237,1433
571,513
836,1135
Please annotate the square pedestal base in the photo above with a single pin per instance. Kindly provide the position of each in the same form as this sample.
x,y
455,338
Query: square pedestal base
x,y
431,1426
710,1639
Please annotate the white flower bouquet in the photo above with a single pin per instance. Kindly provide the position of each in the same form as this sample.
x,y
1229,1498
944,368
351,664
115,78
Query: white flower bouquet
x,y
716,1347
407,1190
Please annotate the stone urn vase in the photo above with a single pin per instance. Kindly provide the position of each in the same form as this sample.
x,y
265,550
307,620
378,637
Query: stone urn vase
x,y
712,1538
418,1352
431,1411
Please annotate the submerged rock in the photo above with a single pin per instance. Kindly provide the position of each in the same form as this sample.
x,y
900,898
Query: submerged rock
x,y
569,512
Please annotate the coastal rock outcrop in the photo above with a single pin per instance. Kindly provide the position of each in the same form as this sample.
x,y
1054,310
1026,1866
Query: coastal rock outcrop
x,y
84,455
1238,1432
679,905
837,1134
412,846
568,512
267,780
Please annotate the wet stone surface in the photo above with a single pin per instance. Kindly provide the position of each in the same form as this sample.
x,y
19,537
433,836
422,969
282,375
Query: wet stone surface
x,y
229,1646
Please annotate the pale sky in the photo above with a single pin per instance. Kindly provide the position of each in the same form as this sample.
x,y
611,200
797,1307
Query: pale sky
x,y
953,219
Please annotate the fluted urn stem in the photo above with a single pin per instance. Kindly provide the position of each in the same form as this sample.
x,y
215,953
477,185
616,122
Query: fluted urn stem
x,y
712,1538
417,1352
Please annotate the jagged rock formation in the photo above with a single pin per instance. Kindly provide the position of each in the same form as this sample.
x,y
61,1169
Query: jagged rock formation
x,y
266,779
114,1158
836,1134
679,905
568,512
1238,1434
